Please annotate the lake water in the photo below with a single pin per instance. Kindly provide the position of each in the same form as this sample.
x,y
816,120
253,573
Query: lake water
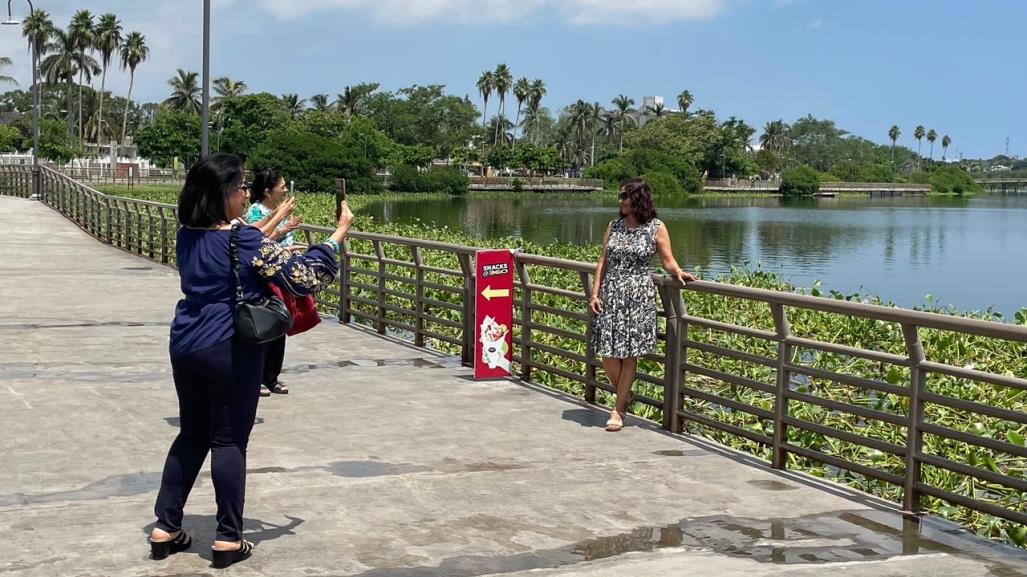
x,y
967,252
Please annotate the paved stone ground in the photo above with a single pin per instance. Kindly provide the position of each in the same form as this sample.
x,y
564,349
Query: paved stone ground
x,y
396,464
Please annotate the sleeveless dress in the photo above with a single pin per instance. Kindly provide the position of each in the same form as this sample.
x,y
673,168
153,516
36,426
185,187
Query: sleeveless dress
x,y
627,326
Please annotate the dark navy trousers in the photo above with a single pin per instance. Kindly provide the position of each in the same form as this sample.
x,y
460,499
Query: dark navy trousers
x,y
218,388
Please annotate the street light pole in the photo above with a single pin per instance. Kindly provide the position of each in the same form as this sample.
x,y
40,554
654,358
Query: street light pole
x,y
36,89
205,109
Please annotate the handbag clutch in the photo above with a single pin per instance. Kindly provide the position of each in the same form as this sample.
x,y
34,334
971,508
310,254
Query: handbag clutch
x,y
257,321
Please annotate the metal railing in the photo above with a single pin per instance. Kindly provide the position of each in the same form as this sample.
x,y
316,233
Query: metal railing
x,y
761,385
773,185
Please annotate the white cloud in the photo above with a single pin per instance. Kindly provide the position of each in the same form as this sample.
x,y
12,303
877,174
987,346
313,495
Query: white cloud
x,y
582,12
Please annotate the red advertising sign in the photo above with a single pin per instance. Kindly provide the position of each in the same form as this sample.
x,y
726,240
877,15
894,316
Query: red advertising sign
x,y
493,314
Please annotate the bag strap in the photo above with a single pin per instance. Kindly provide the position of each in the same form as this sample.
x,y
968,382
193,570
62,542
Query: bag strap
x,y
233,253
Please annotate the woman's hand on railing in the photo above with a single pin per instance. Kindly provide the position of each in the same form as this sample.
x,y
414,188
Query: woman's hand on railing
x,y
684,277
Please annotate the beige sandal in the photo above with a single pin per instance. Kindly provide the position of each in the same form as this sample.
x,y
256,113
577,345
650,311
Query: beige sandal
x,y
615,423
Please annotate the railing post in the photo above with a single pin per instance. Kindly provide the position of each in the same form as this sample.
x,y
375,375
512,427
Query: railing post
x,y
526,342
379,252
467,342
590,353
149,232
344,264
779,456
673,369
415,254
914,436
110,225
164,257
128,227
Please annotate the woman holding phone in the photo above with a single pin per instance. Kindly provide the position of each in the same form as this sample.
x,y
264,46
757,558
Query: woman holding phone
x,y
216,375
266,195
623,297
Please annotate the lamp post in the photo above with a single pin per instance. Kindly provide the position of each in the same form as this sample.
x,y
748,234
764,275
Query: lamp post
x,y
36,89
205,109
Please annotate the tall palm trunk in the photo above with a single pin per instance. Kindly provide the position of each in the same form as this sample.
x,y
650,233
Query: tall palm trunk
x,y
517,124
71,107
81,129
622,133
128,103
99,127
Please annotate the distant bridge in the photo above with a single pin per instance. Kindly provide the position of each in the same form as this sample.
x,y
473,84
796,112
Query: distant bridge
x,y
769,186
1003,184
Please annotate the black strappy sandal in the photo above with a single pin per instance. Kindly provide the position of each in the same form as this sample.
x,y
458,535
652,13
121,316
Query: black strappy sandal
x,y
223,559
279,388
161,549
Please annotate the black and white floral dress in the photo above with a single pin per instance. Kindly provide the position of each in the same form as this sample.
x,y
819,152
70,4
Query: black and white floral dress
x,y
627,325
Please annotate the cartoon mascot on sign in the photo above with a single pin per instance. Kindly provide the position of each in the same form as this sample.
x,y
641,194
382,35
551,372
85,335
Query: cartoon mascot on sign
x,y
494,347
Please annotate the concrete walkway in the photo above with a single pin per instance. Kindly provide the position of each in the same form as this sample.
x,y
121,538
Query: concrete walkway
x,y
385,460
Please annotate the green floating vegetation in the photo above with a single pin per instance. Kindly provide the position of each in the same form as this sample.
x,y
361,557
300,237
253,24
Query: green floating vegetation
x,y
884,404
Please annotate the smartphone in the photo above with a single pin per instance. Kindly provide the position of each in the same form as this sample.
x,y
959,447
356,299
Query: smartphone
x,y
340,195
292,188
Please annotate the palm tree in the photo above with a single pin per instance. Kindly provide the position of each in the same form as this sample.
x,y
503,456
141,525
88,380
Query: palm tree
x,y
185,93
685,100
348,101
133,52
4,79
931,137
945,142
60,65
538,90
893,134
595,116
775,137
502,79
918,134
108,41
658,110
486,82
319,102
83,35
522,91
623,105
294,104
37,29
225,88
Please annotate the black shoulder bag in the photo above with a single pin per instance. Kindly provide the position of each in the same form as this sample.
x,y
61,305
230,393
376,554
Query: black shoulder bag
x,y
257,321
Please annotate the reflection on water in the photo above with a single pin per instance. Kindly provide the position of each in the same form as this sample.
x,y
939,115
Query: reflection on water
x,y
962,251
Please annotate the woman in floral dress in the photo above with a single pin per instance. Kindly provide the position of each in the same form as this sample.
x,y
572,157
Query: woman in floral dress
x,y
623,296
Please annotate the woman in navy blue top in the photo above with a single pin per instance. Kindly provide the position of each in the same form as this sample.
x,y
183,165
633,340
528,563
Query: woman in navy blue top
x,y
217,378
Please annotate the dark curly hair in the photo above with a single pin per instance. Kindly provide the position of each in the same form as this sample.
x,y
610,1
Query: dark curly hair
x,y
637,189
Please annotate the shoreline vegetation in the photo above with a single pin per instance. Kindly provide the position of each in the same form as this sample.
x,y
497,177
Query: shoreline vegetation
x,y
987,354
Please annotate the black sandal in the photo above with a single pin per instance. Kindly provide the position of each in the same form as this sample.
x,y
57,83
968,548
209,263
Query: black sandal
x,y
222,559
279,388
161,549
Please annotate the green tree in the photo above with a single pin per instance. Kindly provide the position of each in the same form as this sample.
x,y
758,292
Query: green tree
x,y
486,83
5,61
945,142
931,137
893,134
538,91
61,65
775,137
83,36
502,79
185,92
657,110
225,88
918,134
801,180
319,102
623,106
10,138
173,134
133,52
294,104
685,100
108,42
315,161
351,97
250,119
522,92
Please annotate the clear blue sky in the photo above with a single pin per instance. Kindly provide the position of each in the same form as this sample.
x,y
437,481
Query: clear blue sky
x,y
957,67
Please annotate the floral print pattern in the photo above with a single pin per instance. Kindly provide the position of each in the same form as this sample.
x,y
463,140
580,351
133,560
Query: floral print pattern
x,y
627,325
299,276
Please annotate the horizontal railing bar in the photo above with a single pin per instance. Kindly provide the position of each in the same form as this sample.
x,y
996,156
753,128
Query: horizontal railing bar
x,y
976,472
729,328
354,284
441,270
441,321
725,402
848,351
399,310
970,503
443,304
361,270
726,427
400,278
959,372
399,294
575,295
361,314
559,312
535,345
441,337
954,403
975,440
846,436
399,325
557,332
843,464
551,262
847,408
441,287
731,353
399,263
729,378
848,380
